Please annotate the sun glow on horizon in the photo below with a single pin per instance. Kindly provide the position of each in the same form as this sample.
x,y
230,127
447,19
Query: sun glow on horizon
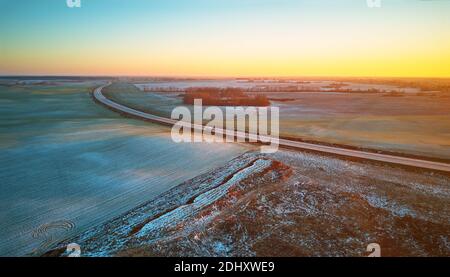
x,y
226,38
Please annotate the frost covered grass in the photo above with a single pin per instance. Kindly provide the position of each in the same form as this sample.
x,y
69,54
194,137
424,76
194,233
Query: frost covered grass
x,y
200,202
301,205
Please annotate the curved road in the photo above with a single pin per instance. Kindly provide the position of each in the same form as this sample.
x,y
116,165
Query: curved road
x,y
282,142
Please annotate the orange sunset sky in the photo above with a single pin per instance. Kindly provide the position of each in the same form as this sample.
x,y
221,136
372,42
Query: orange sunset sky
x,y
226,38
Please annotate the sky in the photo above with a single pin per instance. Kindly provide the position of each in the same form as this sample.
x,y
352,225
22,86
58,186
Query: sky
x,y
218,38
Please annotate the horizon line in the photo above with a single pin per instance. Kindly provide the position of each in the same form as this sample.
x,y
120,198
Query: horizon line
x,y
220,76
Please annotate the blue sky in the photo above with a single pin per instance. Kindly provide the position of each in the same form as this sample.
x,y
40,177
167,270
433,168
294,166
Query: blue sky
x,y
206,35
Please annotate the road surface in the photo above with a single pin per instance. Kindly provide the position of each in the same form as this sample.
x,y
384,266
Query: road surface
x,y
282,142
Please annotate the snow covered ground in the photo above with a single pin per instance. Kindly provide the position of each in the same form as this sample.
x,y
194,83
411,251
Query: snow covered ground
x,y
292,204
67,164
410,123
74,172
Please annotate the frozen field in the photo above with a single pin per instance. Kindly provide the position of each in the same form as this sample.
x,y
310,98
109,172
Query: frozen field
x,y
67,164
409,123
415,123
304,205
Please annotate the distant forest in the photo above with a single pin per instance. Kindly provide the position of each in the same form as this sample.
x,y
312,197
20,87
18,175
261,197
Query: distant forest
x,y
223,97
